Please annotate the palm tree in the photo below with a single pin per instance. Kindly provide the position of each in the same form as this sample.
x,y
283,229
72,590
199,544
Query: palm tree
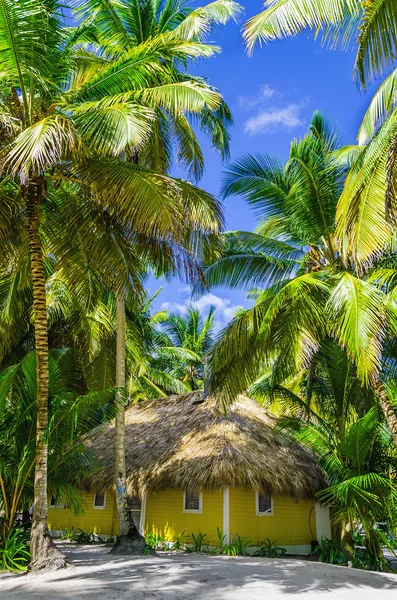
x,y
72,413
185,339
326,408
310,292
120,27
369,25
65,119
367,210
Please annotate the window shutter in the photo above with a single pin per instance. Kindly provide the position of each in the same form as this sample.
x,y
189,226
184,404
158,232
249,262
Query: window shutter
x,y
264,503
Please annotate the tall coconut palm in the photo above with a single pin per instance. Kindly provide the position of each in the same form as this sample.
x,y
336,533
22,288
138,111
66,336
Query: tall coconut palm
x,y
309,293
63,119
185,339
367,211
120,27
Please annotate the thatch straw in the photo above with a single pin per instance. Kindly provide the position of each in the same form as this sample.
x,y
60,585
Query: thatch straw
x,y
182,442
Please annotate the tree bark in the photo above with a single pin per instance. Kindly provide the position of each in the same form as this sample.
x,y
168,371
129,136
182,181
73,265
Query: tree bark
x,y
347,543
129,540
387,408
45,555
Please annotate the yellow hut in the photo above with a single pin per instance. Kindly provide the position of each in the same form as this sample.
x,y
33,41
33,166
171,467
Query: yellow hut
x,y
191,469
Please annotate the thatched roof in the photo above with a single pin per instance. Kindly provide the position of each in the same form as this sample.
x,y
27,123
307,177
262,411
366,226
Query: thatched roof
x,y
183,442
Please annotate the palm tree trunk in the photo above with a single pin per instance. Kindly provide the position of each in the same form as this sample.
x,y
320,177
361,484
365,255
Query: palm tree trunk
x,y
387,408
129,541
119,442
45,555
347,544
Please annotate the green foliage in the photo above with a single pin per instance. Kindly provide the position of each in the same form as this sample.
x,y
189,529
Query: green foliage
x,y
156,541
197,543
363,560
236,548
14,550
270,549
179,542
82,537
329,551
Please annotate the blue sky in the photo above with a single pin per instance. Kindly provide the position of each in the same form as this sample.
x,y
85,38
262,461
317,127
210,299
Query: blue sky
x,y
272,96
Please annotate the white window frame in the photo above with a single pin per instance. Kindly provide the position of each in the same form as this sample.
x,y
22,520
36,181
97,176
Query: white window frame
x,y
268,513
199,511
104,502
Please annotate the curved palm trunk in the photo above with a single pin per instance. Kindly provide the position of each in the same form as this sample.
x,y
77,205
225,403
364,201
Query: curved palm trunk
x,y
45,555
387,408
129,540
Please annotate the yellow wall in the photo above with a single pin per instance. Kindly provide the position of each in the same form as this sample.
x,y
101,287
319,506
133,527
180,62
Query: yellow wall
x,y
289,524
92,519
164,514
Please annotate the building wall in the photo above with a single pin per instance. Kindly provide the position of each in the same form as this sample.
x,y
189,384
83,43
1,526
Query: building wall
x,y
164,514
97,520
287,526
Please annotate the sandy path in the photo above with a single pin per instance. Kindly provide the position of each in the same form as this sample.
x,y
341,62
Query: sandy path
x,y
175,577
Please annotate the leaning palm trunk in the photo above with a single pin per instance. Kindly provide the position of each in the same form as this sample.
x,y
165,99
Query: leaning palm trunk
x,y
387,408
129,540
45,555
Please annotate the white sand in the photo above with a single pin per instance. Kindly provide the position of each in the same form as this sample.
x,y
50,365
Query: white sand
x,y
99,576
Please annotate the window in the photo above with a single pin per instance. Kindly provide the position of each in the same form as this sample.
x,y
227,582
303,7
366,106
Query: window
x,y
135,506
57,503
192,502
100,500
264,505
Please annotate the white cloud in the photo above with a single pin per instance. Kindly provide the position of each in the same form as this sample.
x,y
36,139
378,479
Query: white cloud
x,y
225,310
273,118
266,91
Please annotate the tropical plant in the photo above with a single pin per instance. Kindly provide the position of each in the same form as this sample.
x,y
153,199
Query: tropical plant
x,y
369,25
197,544
121,27
367,212
71,414
358,463
68,114
310,294
270,549
14,550
84,537
329,551
184,340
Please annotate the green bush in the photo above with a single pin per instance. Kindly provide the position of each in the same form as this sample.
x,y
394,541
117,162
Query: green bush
x,y
329,551
270,549
82,537
236,548
156,541
14,550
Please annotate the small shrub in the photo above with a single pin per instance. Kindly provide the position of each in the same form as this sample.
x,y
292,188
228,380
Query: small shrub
x,y
14,550
236,548
197,544
240,544
156,541
179,542
218,549
270,549
83,537
330,551
362,560
68,534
